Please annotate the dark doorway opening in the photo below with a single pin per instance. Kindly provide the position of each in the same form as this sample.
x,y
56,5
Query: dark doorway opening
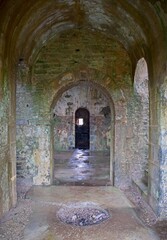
x,y
82,129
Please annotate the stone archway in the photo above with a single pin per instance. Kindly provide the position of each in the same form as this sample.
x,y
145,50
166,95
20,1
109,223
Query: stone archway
x,y
92,98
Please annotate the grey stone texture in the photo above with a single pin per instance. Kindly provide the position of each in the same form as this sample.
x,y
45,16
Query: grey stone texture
x,y
43,96
48,47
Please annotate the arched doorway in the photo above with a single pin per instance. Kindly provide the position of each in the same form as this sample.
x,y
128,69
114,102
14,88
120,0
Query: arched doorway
x,y
82,135
141,90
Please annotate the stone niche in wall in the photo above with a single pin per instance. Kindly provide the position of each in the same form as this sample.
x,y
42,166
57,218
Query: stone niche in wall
x,y
85,95
141,91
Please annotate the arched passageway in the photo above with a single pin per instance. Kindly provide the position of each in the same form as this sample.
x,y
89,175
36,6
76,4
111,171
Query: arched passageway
x,y
65,42
82,136
68,54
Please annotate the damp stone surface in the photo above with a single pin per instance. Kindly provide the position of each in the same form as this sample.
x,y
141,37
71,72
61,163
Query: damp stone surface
x,y
83,214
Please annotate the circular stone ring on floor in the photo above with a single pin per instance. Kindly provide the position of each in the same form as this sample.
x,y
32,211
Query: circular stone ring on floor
x,y
82,214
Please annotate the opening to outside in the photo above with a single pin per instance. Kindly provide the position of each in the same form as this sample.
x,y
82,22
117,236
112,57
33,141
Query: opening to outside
x,y
80,121
82,129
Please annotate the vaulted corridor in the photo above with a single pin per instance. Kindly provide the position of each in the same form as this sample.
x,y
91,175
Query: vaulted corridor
x,y
79,77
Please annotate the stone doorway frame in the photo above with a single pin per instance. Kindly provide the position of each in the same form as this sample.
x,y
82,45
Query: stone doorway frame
x,y
112,130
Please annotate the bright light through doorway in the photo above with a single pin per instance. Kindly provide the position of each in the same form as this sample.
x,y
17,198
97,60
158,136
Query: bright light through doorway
x,y
80,122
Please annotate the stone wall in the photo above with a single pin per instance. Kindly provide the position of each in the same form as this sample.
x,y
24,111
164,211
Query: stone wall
x,y
141,121
141,27
7,160
74,57
33,137
84,95
159,182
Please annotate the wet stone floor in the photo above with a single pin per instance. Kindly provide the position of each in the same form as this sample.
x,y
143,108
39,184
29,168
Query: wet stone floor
x,y
82,167
81,205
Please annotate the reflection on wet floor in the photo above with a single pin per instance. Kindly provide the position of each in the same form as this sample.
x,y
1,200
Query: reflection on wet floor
x,y
82,167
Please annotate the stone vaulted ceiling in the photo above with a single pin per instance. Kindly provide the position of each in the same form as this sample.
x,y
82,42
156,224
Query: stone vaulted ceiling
x,y
138,25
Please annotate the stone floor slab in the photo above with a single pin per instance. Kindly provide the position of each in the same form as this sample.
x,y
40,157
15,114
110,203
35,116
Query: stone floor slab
x,y
45,224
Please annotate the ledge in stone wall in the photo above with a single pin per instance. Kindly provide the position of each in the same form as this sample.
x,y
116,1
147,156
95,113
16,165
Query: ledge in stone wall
x,y
141,188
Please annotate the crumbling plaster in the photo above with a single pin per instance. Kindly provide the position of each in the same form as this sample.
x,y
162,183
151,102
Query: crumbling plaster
x,y
36,21
75,56
87,96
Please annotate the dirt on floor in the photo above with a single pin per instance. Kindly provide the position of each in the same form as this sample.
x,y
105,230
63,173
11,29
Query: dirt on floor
x,y
146,214
12,225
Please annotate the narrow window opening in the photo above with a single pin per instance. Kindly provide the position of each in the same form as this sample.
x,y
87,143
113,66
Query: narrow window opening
x,y
82,129
80,122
